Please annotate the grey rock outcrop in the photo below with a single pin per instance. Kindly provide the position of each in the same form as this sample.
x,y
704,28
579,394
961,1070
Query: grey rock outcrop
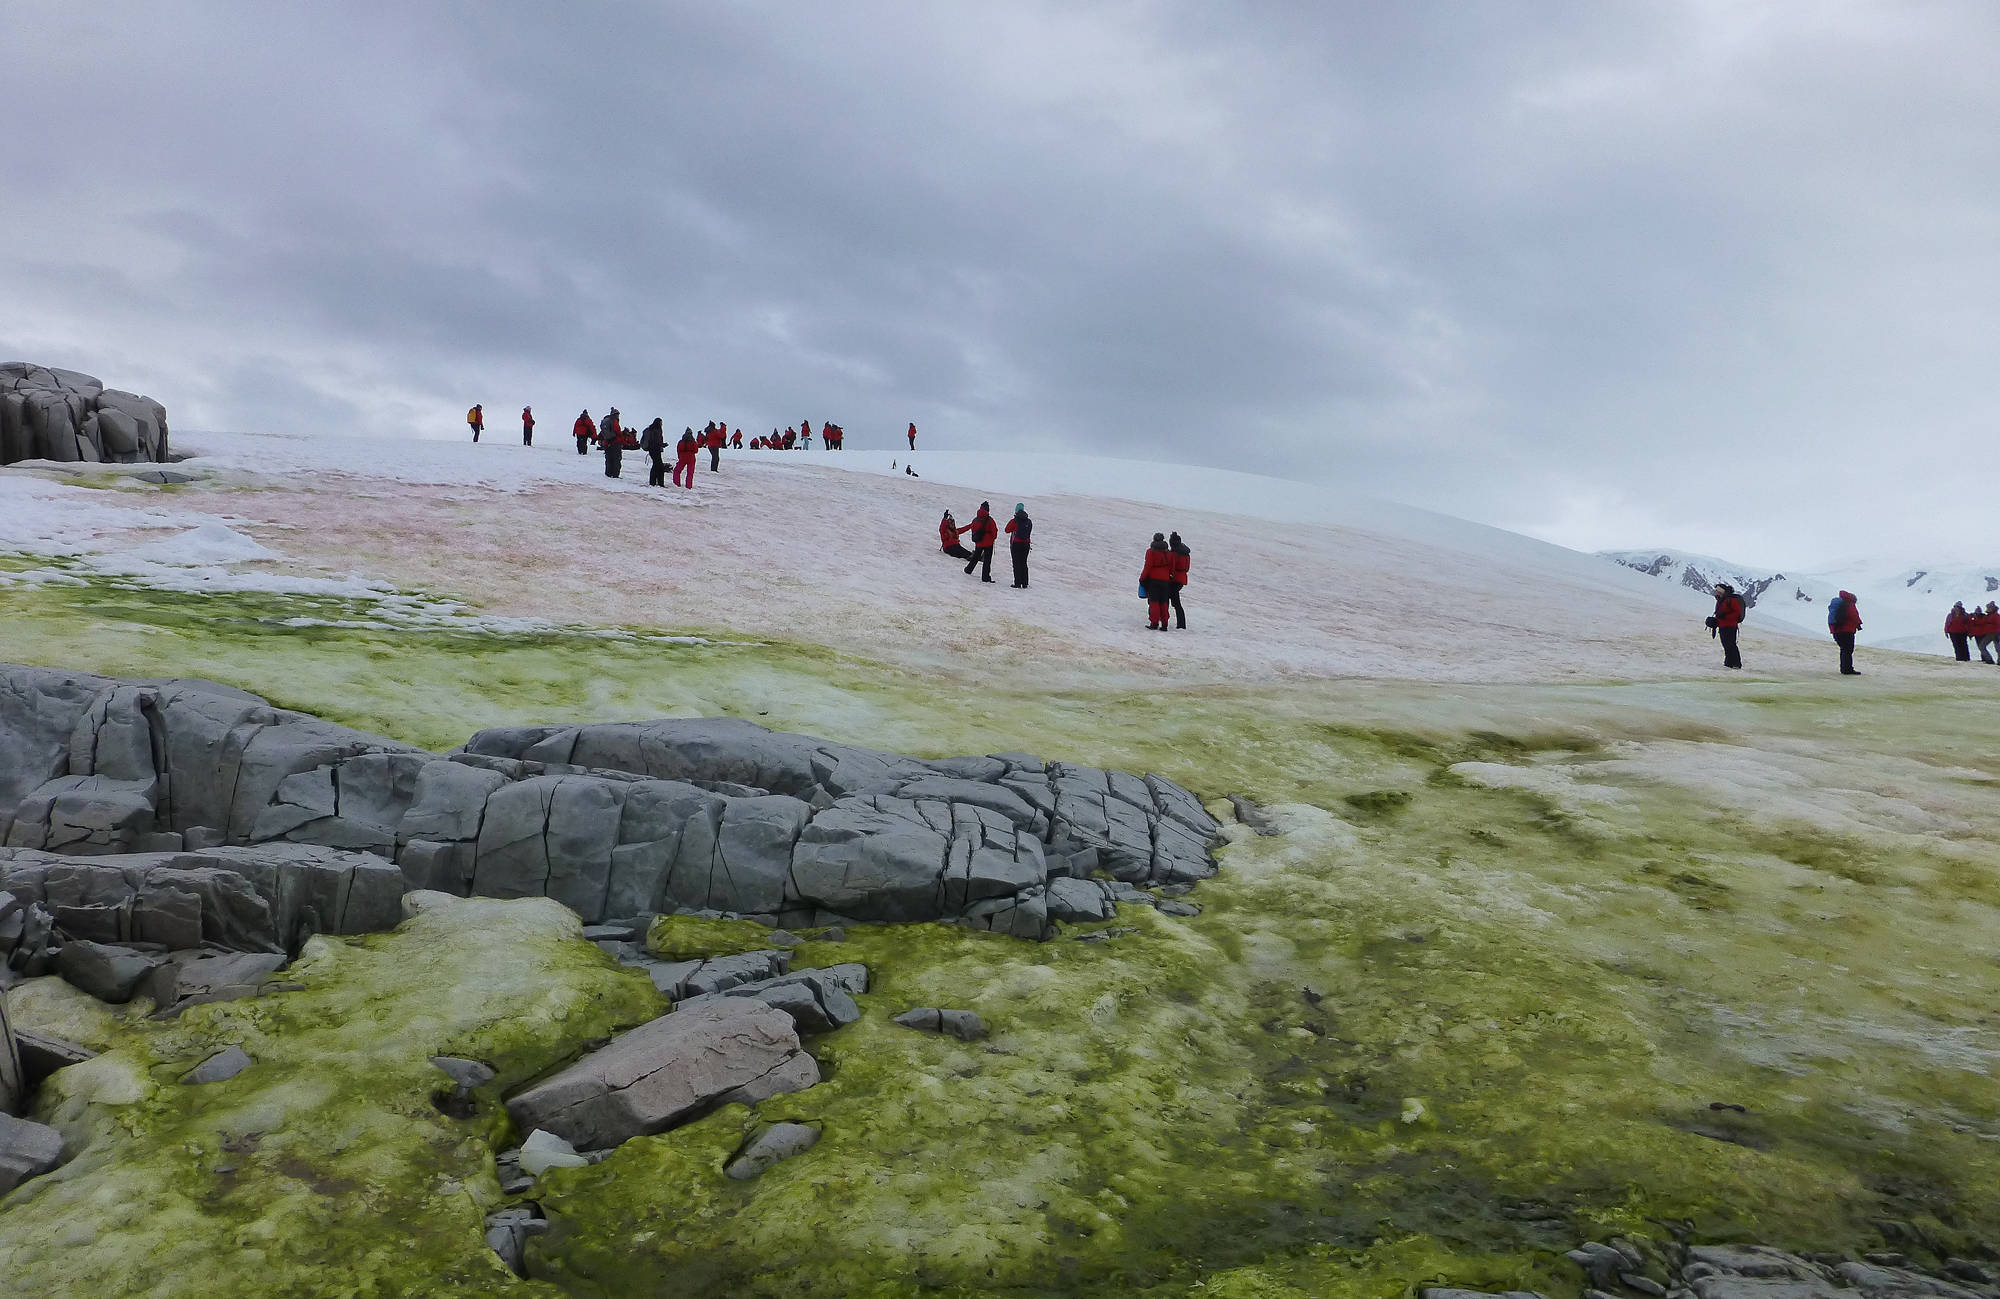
x,y
328,826
667,1071
26,1150
13,1077
220,1067
51,414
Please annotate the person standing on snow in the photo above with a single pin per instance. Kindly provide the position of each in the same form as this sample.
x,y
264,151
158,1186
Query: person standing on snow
x,y
984,533
654,441
527,426
608,433
476,420
1156,579
948,531
1955,630
583,429
1018,529
1984,624
1728,616
685,451
1843,619
913,437
717,435
1183,557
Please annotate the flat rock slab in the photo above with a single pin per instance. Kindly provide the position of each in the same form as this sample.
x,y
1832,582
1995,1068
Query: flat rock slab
x,y
961,1024
220,1067
26,1150
667,1071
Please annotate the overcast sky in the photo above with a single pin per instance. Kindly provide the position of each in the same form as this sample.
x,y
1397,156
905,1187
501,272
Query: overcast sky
x,y
1722,275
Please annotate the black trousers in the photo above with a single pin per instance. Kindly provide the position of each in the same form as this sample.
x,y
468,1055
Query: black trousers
x,y
614,458
583,446
982,555
957,551
1019,550
1959,649
1730,658
656,476
1845,639
476,429
1174,599
714,459
527,435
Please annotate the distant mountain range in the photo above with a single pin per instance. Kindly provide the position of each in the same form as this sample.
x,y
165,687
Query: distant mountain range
x,y
1901,608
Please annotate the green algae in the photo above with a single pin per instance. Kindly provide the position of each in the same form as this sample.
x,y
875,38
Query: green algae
x,y
687,938
1435,1038
324,1168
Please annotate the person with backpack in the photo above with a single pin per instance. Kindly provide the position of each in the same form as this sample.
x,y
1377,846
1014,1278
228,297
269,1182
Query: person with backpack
x,y
948,531
527,426
476,420
1843,619
653,442
1156,580
1984,624
1956,628
685,452
609,433
984,533
583,428
1018,529
1182,559
1728,616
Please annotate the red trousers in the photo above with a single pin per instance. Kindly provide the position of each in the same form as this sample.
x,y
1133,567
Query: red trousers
x,y
1157,611
684,465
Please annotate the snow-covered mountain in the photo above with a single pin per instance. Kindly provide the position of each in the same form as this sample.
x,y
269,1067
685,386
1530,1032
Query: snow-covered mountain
x,y
1901,607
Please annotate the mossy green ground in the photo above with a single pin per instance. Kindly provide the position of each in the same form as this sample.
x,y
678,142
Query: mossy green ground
x,y
1435,1030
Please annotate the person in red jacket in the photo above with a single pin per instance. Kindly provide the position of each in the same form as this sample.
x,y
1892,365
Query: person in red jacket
x,y
475,419
913,437
1183,558
685,452
527,426
584,428
1156,579
1020,529
1728,616
948,531
736,440
1956,630
1843,619
717,435
984,533
1984,624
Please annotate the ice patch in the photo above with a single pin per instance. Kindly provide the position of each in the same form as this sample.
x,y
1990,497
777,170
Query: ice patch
x,y
210,543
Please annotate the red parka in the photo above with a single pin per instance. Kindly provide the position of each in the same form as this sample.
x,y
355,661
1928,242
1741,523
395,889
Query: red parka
x,y
687,447
1955,622
583,427
947,534
984,530
1159,565
717,438
1847,620
1729,610
1981,623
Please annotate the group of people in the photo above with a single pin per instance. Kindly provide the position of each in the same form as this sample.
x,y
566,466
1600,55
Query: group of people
x,y
1161,578
983,532
612,437
1843,620
1964,628
832,438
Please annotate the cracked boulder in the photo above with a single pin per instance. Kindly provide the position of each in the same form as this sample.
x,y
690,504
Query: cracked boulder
x,y
668,1071
61,415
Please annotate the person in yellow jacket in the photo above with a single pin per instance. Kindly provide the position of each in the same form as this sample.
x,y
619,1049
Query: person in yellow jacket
x,y
476,419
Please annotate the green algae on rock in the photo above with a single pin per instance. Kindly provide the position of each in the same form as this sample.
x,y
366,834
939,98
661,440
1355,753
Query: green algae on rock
x,y
325,1169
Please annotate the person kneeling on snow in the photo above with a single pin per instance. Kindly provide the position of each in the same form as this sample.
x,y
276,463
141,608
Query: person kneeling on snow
x,y
948,535
1728,616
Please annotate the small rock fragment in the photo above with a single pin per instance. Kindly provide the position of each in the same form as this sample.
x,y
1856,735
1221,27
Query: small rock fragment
x,y
961,1024
544,1150
778,1142
468,1074
27,1150
220,1067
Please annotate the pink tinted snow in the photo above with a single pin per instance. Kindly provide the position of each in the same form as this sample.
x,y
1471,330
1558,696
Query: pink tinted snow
x,y
1288,580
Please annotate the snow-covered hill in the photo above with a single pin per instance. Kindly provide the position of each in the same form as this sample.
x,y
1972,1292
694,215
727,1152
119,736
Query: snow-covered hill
x,y
1901,607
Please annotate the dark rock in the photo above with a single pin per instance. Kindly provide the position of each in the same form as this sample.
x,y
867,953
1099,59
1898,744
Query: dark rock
x,y
507,1235
44,1053
774,1144
13,1075
220,1067
179,984
667,1071
26,1150
106,972
961,1024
